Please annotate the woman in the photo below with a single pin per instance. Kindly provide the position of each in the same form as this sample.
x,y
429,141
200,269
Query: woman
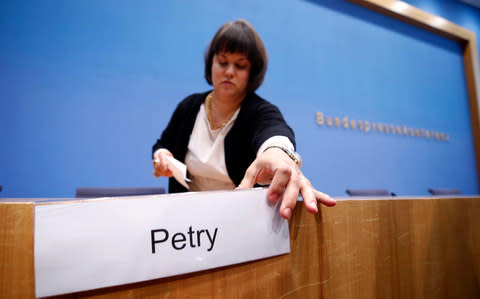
x,y
230,137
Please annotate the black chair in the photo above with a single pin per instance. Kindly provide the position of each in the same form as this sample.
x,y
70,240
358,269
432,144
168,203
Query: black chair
x,y
369,192
444,191
91,192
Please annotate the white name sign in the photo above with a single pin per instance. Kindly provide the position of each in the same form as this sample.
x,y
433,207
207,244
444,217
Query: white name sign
x,y
106,242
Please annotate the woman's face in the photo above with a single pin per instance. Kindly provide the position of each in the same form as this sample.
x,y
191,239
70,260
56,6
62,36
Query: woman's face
x,y
230,74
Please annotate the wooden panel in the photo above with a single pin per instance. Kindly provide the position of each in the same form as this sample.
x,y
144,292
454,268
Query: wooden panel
x,y
16,250
412,15
471,69
402,248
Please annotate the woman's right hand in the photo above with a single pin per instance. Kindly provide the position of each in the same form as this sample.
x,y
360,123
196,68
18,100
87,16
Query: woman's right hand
x,y
160,165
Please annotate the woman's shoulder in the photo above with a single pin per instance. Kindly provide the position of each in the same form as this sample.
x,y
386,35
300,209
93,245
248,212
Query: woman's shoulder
x,y
192,99
189,106
257,103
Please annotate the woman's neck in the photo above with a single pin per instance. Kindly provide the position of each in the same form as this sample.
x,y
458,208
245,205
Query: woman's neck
x,y
224,106
220,109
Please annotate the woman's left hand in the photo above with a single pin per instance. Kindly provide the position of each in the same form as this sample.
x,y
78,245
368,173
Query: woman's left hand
x,y
275,167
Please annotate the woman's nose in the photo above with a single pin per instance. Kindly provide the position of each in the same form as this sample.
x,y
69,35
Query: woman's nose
x,y
230,70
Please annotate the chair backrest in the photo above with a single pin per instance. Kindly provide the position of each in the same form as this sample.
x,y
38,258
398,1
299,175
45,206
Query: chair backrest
x,y
444,191
368,192
90,192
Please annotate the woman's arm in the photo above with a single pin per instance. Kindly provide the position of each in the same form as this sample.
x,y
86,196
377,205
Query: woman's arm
x,y
276,167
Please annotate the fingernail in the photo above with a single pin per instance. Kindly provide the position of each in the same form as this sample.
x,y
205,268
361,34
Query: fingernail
x,y
287,213
314,206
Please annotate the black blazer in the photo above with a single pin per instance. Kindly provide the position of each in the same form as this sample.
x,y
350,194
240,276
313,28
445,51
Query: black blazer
x,y
257,121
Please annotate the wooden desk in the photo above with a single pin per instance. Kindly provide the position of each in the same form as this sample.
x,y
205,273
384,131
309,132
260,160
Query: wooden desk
x,y
362,248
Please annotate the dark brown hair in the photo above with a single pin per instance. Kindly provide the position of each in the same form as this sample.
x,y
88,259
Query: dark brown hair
x,y
239,37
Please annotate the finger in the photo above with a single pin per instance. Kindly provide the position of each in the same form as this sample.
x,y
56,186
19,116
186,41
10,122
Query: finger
x,y
164,167
264,177
248,180
290,197
161,169
157,163
325,199
309,197
289,201
156,172
161,165
281,177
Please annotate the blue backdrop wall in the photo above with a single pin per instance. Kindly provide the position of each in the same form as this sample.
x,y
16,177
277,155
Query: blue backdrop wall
x,y
87,86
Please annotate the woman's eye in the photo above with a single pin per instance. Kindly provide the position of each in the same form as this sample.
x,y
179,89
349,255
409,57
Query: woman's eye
x,y
241,66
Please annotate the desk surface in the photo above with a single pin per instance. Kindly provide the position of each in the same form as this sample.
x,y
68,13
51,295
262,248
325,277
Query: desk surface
x,y
41,200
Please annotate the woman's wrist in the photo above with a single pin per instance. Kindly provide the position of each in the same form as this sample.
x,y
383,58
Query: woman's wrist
x,y
292,154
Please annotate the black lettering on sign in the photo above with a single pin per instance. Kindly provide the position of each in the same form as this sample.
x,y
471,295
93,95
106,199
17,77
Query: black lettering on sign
x,y
179,240
155,241
175,240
